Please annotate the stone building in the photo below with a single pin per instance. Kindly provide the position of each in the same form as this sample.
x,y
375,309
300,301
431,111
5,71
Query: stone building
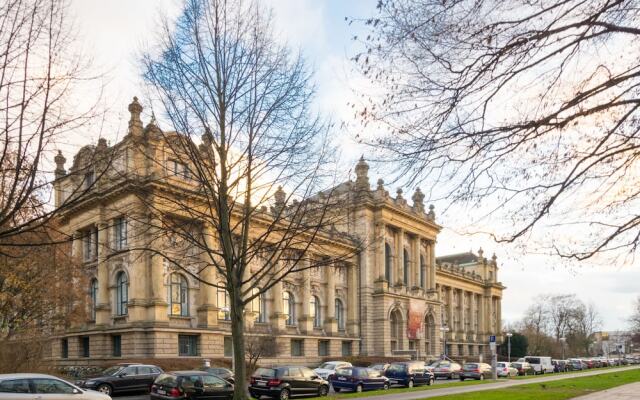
x,y
394,298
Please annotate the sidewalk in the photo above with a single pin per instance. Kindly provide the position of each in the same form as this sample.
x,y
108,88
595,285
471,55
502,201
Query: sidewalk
x,y
624,392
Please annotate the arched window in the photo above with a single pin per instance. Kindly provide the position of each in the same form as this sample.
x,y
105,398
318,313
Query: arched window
x,y
178,295
387,262
122,293
224,305
314,308
405,257
423,273
289,307
258,305
340,314
93,297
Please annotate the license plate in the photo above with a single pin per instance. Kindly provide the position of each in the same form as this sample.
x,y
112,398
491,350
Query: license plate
x,y
160,391
342,379
262,383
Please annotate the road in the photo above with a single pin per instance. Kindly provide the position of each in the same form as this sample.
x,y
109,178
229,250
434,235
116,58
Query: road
x,y
414,395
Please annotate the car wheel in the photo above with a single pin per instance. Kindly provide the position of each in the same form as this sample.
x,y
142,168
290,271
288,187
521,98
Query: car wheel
x,y
481,377
359,388
431,381
284,394
337,390
410,383
323,390
461,379
450,376
105,389
385,386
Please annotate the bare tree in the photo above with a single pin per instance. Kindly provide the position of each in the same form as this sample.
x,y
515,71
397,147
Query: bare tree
x,y
561,309
38,72
529,106
245,136
634,320
259,346
585,321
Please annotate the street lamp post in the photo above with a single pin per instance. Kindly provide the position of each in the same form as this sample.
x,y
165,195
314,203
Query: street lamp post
x,y
444,330
562,341
509,334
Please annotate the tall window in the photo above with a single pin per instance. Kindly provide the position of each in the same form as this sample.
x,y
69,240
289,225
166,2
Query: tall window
x,y
120,233
90,244
179,169
387,262
289,307
314,308
122,293
93,296
340,314
188,345
405,259
89,178
258,305
423,281
85,347
178,295
224,304
116,345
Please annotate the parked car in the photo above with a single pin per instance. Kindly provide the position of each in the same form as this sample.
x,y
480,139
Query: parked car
x,y
505,369
576,364
190,385
220,372
123,378
409,374
478,371
358,379
524,368
380,367
330,367
541,364
446,369
287,381
559,365
40,386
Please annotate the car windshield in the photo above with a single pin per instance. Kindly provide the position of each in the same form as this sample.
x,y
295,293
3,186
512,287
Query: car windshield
x,y
111,371
327,366
345,371
397,368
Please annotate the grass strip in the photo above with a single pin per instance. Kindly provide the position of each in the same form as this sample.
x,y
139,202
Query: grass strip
x,y
554,390
396,390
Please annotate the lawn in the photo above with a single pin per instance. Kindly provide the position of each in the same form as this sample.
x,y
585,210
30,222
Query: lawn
x,y
555,390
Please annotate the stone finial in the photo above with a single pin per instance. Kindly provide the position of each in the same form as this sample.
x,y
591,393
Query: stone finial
x,y
380,185
480,253
60,160
362,175
399,194
135,123
432,213
418,200
280,197
494,259
152,126
102,145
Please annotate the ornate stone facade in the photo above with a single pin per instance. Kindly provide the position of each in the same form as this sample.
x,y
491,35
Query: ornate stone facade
x,y
394,298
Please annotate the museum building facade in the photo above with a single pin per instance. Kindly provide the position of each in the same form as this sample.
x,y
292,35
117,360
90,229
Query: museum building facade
x,y
393,297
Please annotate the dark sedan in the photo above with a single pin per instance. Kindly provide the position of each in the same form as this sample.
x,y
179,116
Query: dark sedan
x,y
190,385
358,379
123,378
478,371
287,381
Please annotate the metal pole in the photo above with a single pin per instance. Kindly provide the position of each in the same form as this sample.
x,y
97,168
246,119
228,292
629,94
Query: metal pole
x,y
509,348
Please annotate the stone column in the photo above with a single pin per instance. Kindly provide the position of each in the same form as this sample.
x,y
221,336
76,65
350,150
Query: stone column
x,y
451,322
306,320
208,295
380,256
472,310
76,247
330,323
432,265
499,315
139,261
352,299
277,318
103,308
399,276
461,311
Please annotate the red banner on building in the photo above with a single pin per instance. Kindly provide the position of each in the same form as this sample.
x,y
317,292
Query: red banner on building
x,y
415,322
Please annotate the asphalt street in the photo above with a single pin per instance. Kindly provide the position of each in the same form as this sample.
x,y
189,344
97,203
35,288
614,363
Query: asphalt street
x,y
502,383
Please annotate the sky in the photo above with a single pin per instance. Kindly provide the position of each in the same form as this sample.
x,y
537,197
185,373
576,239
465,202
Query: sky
x,y
112,33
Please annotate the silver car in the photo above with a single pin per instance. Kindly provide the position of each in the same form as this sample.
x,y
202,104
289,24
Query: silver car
x,y
43,387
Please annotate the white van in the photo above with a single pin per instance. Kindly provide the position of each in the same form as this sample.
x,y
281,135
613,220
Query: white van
x,y
542,365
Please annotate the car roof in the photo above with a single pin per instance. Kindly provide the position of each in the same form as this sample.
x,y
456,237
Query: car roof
x,y
26,375
190,372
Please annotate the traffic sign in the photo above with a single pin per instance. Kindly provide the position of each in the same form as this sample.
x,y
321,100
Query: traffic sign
x,y
492,339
